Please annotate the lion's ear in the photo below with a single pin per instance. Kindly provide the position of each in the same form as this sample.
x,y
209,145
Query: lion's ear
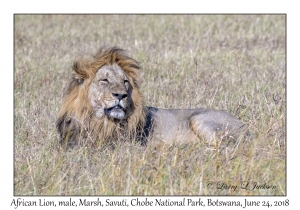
x,y
81,68
79,75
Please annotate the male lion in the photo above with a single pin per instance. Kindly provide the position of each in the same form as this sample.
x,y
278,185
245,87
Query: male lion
x,y
103,103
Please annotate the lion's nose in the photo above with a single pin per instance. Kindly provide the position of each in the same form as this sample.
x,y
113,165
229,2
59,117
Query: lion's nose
x,y
119,96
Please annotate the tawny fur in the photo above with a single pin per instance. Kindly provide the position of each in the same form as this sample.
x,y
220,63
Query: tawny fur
x,y
76,123
80,121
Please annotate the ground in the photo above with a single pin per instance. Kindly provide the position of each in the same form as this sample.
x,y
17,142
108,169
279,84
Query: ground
x,y
229,62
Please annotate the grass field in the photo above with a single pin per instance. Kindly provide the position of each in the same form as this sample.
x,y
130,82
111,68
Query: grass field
x,y
230,62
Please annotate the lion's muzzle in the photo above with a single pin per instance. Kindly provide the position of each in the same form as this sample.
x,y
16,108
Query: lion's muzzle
x,y
116,112
119,96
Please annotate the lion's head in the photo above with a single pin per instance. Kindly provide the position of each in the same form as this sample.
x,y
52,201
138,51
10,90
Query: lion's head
x,y
103,100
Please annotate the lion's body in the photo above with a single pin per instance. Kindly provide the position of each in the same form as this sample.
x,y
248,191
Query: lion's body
x,y
186,125
103,103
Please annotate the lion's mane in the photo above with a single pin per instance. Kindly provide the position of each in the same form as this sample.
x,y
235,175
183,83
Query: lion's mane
x,y
76,123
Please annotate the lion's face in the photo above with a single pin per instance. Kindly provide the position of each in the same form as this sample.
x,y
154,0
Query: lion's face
x,y
102,95
110,93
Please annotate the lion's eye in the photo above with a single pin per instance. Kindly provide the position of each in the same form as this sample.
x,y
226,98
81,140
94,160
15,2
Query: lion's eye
x,y
104,80
126,82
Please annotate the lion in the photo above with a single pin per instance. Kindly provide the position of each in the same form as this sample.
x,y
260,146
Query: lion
x,y
103,103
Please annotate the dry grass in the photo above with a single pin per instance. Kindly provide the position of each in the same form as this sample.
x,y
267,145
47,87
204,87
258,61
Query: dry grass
x,y
231,62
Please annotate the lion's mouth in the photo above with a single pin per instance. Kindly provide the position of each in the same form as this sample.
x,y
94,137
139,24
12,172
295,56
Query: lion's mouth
x,y
116,112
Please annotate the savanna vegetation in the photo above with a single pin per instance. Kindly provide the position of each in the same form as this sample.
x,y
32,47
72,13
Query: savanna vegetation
x,y
230,62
